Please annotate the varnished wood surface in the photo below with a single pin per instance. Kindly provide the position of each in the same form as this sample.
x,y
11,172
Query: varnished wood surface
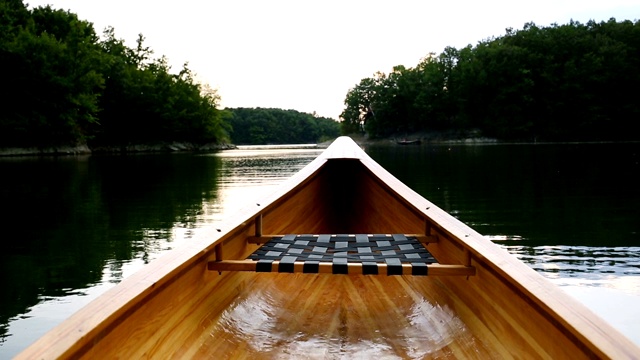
x,y
176,308
353,268
295,316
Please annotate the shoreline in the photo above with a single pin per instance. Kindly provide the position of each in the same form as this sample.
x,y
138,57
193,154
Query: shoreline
x,y
84,149
185,147
424,138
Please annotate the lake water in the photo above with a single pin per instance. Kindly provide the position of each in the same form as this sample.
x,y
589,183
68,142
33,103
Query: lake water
x,y
73,227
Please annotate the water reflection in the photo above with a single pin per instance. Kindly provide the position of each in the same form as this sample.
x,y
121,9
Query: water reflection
x,y
563,194
250,173
587,263
74,227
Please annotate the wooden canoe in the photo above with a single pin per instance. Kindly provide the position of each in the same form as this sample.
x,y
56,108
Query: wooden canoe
x,y
206,299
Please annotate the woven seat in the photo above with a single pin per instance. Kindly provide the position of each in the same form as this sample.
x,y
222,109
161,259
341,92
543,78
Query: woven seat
x,y
395,254
340,250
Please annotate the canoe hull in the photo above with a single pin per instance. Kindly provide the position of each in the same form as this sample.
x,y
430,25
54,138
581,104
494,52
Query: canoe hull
x,y
176,307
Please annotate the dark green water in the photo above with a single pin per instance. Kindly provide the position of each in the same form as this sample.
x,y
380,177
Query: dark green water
x,y
568,194
74,227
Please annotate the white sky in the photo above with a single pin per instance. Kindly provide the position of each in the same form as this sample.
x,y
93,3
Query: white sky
x,y
306,55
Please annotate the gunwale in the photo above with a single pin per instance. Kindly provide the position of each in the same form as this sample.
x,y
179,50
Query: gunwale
x,y
82,332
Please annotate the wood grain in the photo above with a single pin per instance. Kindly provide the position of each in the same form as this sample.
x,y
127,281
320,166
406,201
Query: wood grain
x,y
353,268
323,316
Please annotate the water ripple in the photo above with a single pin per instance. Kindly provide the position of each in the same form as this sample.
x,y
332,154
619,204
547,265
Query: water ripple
x,y
593,263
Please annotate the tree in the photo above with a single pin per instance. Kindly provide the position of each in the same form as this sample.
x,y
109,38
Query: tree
x,y
144,103
278,126
562,82
52,90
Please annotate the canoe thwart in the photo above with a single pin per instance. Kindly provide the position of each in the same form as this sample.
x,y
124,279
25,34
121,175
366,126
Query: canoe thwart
x,y
346,268
368,254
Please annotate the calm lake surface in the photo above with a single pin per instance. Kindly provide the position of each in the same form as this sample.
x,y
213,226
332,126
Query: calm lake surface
x,y
74,227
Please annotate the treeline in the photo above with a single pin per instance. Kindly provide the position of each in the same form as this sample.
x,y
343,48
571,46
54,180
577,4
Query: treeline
x,y
63,85
277,126
557,83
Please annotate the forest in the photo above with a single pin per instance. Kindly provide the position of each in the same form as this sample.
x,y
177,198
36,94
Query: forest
x,y
277,126
573,82
64,85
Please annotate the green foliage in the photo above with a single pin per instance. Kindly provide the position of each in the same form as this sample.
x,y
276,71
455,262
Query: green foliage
x,y
51,88
65,86
277,126
568,82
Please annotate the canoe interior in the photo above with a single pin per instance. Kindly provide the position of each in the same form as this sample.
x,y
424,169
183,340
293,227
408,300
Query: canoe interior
x,y
324,316
176,307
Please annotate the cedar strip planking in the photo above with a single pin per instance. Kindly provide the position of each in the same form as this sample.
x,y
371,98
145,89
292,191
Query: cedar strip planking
x,y
324,316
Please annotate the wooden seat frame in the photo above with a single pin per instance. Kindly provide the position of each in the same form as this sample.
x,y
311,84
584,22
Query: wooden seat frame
x,y
340,265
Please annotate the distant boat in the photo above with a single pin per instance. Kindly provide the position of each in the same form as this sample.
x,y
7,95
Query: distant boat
x,y
408,142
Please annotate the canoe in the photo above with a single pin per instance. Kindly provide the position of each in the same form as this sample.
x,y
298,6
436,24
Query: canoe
x,y
343,260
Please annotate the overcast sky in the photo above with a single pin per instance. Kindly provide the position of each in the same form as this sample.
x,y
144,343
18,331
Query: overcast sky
x,y
306,55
